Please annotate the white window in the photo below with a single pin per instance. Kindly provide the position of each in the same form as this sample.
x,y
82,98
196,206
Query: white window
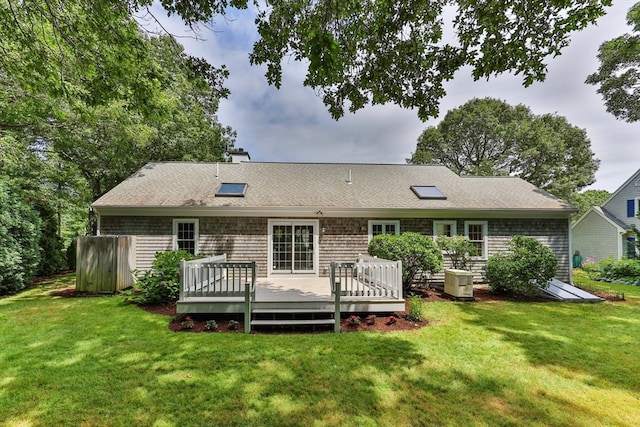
x,y
476,231
444,228
383,227
185,235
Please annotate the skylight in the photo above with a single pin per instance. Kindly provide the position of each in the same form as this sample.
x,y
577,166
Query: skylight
x,y
231,189
428,192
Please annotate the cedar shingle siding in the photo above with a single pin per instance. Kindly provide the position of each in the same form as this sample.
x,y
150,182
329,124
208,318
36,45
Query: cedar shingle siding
x,y
246,238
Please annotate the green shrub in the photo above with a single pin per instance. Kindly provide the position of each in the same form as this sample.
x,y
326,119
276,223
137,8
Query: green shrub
x,y
417,252
211,325
20,234
524,268
459,249
626,271
590,266
415,313
161,284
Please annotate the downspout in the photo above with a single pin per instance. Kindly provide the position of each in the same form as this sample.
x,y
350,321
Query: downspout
x,y
570,252
97,217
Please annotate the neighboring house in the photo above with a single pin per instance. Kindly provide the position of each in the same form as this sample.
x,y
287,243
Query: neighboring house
x,y
295,218
605,231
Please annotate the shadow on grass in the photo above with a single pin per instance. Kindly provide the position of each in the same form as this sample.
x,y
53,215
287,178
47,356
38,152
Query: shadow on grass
x,y
94,361
598,341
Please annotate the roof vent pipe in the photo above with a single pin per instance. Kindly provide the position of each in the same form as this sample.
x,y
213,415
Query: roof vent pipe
x,y
349,180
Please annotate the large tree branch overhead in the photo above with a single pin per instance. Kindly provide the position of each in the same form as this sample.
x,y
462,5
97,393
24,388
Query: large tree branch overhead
x,y
367,51
380,51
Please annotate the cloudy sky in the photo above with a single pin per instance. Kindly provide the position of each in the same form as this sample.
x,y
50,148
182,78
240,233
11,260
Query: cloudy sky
x,y
292,124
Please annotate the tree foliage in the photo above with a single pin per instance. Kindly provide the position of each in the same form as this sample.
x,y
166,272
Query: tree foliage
x,y
356,52
89,85
618,77
110,141
87,98
458,249
490,137
525,267
418,253
585,200
20,236
377,51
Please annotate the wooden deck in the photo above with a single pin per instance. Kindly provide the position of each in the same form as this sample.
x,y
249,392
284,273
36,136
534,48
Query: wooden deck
x,y
292,293
213,285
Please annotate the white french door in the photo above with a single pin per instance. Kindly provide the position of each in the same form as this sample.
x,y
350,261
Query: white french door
x,y
293,247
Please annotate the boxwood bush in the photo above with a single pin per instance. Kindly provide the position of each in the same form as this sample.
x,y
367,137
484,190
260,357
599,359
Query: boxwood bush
x,y
418,253
526,266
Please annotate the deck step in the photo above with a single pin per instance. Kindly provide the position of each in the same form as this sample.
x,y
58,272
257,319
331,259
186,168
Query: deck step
x,y
282,322
293,310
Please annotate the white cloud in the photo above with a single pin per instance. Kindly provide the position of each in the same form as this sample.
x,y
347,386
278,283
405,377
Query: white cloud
x,y
292,124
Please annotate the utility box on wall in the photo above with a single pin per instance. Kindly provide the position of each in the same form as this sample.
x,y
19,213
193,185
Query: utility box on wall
x,y
105,263
458,283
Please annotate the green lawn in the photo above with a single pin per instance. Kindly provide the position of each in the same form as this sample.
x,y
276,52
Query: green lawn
x,y
95,361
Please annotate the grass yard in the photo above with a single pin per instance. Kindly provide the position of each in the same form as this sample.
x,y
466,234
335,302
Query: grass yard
x,y
95,361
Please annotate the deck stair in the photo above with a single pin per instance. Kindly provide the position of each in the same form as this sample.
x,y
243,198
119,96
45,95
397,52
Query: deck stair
x,y
213,285
313,313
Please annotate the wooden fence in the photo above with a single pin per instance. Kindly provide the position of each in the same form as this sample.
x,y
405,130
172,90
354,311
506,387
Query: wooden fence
x,y
105,263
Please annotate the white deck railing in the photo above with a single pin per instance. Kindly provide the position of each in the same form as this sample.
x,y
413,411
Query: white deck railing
x,y
215,277
368,277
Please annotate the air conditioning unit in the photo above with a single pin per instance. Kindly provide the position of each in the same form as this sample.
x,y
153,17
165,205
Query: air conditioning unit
x,y
458,283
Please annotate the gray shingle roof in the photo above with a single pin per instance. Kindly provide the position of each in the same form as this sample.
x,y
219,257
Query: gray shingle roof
x,y
323,185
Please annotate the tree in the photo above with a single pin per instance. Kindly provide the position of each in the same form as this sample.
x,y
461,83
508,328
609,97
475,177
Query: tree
x,y
585,200
20,236
618,78
107,103
357,52
82,108
110,141
490,137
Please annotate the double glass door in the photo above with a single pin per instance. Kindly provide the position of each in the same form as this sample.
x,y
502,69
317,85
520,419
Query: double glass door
x,y
293,248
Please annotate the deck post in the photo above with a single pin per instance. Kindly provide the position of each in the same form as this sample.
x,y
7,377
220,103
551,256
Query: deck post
x,y
183,266
399,279
337,288
336,326
247,308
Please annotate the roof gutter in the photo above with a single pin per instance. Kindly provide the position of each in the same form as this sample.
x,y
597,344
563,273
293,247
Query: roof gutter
x,y
324,212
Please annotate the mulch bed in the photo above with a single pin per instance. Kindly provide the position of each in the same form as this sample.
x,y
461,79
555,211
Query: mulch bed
x,y
389,322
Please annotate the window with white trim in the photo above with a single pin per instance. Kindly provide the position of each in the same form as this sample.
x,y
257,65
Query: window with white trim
x,y
383,227
185,235
476,231
444,228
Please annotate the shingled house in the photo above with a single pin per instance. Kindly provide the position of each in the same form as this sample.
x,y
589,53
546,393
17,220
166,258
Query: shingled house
x,y
295,218
607,231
